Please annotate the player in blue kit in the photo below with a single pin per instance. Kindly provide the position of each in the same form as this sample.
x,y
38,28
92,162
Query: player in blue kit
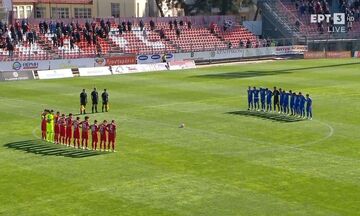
x,y
268,99
292,100
302,105
256,99
296,104
250,98
262,98
281,100
285,102
308,107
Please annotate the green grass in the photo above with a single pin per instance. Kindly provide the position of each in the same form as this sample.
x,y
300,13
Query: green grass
x,y
220,164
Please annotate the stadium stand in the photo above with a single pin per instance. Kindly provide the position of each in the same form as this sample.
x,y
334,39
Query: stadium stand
x,y
303,9
41,40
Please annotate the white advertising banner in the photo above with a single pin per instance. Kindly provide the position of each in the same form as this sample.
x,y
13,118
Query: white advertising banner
x,y
126,69
55,74
149,59
94,71
357,54
180,65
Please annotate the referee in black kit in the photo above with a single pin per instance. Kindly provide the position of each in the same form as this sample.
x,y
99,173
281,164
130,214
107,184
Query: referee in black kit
x,y
95,100
105,101
276,94
83,102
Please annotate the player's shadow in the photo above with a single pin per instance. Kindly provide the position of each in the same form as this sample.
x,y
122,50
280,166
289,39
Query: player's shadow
x,y
249,74
49,149
269,116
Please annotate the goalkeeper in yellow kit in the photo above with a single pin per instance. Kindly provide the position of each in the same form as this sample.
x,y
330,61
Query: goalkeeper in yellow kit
x,y
50,126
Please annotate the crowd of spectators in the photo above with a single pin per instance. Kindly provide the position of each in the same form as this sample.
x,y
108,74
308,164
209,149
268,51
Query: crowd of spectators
x,y
312,6
350,7
19,33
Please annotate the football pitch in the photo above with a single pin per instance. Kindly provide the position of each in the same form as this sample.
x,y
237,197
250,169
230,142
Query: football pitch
x,y
226,161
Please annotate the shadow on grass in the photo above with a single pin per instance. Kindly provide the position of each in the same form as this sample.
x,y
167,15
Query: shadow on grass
x,y
269,116
248,74
49,149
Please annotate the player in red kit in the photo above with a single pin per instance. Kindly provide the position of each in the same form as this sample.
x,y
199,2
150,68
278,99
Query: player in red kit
x,y
112,135
76,125
69,123
57,127
85,132
43,125
102,130
62,124
94,135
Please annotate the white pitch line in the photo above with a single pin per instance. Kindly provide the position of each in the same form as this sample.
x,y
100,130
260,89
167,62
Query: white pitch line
x,y
330,134
284,147
34,133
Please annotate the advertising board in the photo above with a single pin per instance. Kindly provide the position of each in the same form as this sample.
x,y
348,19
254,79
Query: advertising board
x,y
156,58
125,69
180,65
55,74
14,75
94,71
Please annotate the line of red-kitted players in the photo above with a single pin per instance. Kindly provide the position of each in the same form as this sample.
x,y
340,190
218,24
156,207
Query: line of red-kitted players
x,y
67,129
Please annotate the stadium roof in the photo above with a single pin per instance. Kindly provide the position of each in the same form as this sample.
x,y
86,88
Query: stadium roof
x,y
54,1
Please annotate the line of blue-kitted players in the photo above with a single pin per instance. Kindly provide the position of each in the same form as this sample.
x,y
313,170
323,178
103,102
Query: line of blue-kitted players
x,y
281,101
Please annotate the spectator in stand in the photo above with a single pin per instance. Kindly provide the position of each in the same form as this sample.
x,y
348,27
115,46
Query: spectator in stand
x,y
20,36
52,27
297,26
30,37
241,43
41,27
145,34
108,24
141,24
152,25
10,48
98,49
61,41
94,39
72,42
120,29
124,26
129,25
46,27
212,27
229,45
55,40
248,43
263,42
171,25
77,37
189,24
175,23
224,26
162,33
102,23
181,23
178,33
34,35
